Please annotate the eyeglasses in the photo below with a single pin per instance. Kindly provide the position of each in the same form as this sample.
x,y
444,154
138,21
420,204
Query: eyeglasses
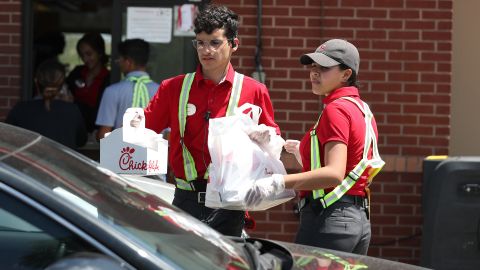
x,y
213,44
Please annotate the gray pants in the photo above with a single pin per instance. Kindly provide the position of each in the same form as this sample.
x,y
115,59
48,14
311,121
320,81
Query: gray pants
x,y
341,226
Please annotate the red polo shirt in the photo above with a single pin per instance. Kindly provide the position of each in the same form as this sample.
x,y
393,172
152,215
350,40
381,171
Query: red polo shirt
x,y
91,94
341,121
205,96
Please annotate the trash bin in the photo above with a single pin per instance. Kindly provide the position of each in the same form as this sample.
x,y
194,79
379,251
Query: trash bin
x,y
451,213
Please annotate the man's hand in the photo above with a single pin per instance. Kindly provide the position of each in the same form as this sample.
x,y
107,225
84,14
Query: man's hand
x,y
263,188
135,122
261,137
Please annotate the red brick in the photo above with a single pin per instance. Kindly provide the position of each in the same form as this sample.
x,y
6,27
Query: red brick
x,y
296,106
446,15
434,120
403,76
422,66
397,210
388,87
329,22
266,21
444,25
389,129
419,45
398,189
442,88
436,35
358,24
387,24
403,140
445,5
387,44
282,63
444,46
10,7
388,108
373,76
404,35
418,4
404,14
317,22
371,13
307,12
396,252
402,119
388,3
434,77
445,110
428,56
420,25
418,130
435,99
290,3
434,141
341,12
371,34
442,131
402,97
420,87
299,32
338,33
419,109
292,22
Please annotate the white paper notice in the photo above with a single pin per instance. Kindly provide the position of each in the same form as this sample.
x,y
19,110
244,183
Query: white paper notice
x,y
150,24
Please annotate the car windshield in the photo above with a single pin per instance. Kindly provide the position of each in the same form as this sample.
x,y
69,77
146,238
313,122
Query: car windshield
x,y
149,222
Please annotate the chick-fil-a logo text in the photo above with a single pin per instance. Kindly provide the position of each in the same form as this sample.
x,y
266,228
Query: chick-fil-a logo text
x,y
126,162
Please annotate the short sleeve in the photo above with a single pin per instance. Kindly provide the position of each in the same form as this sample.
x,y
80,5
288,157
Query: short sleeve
x,y
107,112
334,124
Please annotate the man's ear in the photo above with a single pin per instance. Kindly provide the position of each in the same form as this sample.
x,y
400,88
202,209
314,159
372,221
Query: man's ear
x,y
235,43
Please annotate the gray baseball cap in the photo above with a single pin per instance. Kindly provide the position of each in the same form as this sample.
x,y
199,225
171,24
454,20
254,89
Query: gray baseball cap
x,y
332,53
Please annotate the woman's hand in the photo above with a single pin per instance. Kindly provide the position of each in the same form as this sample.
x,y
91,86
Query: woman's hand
x,y
292,147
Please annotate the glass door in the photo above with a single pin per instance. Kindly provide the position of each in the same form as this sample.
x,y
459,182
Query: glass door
x,y
171,50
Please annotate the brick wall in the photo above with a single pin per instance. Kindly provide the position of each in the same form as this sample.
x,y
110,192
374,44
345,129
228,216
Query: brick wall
x,y
10,46
405,69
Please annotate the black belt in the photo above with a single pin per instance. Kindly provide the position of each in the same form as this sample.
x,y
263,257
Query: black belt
x,y
198,194
346,198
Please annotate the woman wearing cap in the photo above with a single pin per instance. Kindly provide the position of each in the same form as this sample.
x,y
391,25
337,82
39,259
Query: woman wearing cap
x,y
338,154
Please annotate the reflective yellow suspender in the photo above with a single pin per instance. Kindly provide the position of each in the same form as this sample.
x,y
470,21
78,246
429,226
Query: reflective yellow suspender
x,y
375,164
140,91
188,162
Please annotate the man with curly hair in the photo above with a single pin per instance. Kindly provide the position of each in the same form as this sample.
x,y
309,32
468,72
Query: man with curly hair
x,y
186,102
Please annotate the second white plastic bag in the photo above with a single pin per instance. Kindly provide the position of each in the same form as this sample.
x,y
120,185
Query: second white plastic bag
x,y
237,161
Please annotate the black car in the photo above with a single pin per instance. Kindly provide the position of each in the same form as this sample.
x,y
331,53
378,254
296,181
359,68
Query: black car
x,y
58,206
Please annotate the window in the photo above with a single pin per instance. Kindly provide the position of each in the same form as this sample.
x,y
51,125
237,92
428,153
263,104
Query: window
x,y
30,240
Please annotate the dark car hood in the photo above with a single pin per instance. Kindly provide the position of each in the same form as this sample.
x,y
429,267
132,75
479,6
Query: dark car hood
x,y
307,257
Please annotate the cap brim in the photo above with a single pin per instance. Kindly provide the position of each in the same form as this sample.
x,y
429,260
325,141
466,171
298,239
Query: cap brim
x,y
318,58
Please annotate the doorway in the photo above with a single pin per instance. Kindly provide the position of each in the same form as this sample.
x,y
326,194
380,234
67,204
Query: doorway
x,y
53,27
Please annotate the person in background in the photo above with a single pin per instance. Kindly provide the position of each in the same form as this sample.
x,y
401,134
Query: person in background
x,y
185,103
339,156
53,118
135,90
88,81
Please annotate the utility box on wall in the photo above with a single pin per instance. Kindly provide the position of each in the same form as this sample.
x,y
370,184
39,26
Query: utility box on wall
x,y
451,212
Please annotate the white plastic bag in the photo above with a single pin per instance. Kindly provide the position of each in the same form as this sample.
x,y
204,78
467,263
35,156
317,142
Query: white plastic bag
x,y
237,161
